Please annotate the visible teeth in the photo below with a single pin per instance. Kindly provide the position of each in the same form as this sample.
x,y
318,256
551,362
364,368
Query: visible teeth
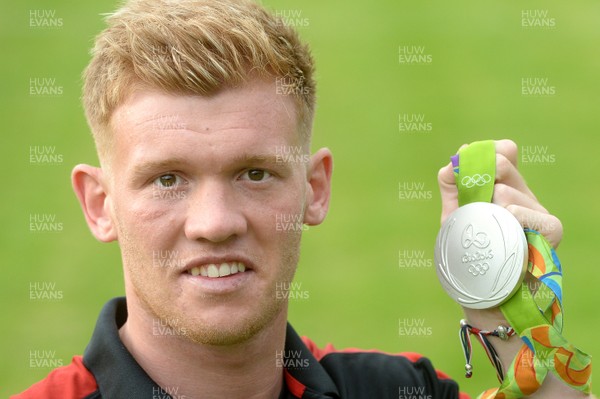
x,y
220,270
213,271
224,270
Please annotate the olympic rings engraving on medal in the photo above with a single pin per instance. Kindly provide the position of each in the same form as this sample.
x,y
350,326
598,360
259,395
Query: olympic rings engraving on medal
x,y
476,180
479,269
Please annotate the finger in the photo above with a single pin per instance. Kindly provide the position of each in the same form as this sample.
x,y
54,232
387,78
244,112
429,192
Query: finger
x,y
448,191
505,196
547,225
507,173
508,149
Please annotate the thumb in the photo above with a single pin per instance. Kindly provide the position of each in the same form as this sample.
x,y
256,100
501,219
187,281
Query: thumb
x,y
448,191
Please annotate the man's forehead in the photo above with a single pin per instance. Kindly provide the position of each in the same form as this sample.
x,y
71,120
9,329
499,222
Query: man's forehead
x,y
256,102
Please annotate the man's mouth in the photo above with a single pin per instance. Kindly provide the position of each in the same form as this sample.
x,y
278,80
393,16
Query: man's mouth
x,y
216,270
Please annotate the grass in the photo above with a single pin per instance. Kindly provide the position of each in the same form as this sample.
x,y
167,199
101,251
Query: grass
x,y
357,292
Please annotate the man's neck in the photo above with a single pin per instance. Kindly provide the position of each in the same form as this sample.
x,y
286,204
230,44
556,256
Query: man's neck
x,y
185,369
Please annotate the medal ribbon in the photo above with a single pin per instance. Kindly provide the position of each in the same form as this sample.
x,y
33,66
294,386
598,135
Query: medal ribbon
x,y
535,311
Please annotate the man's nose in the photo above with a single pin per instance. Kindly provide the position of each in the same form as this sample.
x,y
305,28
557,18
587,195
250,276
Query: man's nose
x,y
214,214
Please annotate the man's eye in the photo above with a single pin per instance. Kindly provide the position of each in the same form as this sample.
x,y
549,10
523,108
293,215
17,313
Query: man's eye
x,y
167,181
256,175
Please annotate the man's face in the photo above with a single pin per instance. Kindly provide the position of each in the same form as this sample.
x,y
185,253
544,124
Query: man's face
x,y
197,188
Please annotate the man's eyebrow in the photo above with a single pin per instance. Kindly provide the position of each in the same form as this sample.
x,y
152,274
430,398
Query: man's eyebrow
x,y
151,166
258,158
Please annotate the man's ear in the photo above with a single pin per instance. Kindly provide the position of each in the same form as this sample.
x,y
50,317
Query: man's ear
x,y
319,187
90,189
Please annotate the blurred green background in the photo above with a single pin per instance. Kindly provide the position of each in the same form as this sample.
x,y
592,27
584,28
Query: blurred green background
x,y
470,88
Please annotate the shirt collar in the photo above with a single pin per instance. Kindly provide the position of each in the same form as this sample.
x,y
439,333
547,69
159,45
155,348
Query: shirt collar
x,y
118,375
303,373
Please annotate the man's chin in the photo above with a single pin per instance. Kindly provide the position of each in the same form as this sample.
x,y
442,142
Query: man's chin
x,y
232,329
222,336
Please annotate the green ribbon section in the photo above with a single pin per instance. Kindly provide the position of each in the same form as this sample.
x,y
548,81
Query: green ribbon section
x,y
535,310
477,172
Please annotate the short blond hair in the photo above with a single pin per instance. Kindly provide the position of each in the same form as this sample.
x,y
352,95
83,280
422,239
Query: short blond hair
x,y
192,47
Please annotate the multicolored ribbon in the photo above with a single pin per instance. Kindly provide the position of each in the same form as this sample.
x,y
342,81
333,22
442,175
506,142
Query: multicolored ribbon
x,y
535,312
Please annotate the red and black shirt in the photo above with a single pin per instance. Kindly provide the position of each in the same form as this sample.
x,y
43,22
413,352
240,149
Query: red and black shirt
x,y
108,371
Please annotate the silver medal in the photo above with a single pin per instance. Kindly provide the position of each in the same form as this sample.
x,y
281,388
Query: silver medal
x,y
481,255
